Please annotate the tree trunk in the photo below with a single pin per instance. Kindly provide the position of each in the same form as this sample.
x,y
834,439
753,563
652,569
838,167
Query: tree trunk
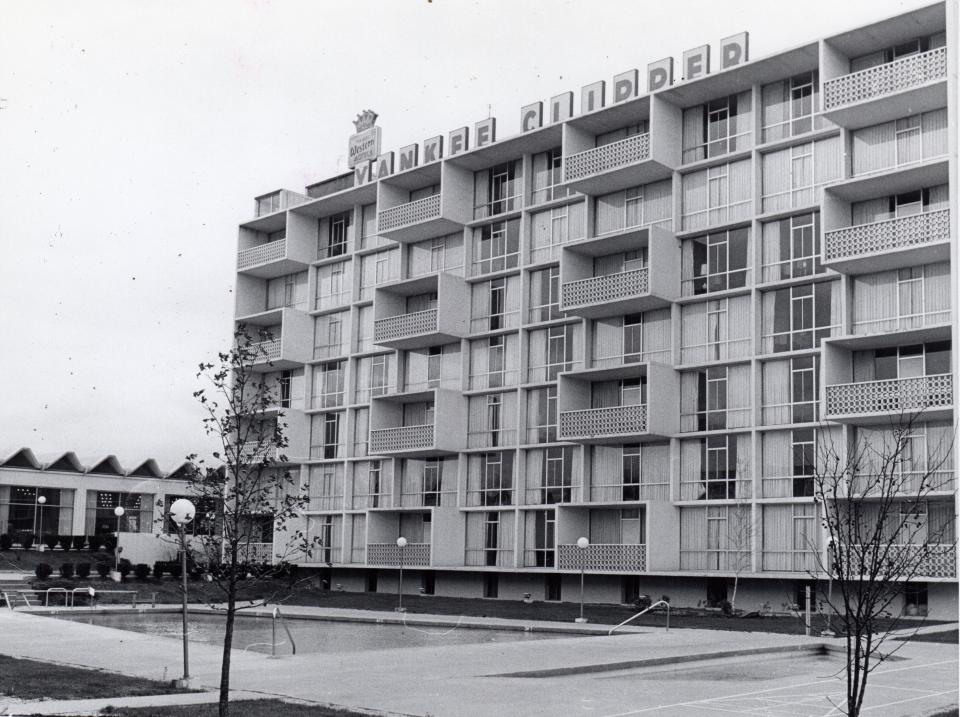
x,y
227,647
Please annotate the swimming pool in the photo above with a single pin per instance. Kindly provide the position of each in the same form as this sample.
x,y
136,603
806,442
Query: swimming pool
x,y
254,633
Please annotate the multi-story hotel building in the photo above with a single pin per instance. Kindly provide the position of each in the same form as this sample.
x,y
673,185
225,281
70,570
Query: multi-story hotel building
x,y
633,324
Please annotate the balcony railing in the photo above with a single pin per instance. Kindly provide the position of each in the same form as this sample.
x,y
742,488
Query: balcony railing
x,y
263,351
885,79
933,560
401,438
887,235
603,556
254,452
410,213
601,289
609,156
255,552
261,254
890,395
613,421
399,327
414,554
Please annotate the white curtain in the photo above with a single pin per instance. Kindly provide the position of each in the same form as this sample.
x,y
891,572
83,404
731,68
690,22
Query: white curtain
x,y
776,393
934,130
777,457
874,148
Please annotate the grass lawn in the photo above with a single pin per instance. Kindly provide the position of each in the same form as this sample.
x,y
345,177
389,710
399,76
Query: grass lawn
x,y
31,679
239,708
947,636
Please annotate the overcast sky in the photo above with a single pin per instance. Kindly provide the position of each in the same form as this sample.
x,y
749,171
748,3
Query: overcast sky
x,y
134,136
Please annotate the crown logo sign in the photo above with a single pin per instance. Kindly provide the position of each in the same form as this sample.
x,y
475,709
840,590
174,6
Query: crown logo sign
x,y
365,120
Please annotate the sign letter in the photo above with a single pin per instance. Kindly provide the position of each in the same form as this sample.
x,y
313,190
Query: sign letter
x,y
485,131
625,86
561,107
733,50
659,74
432,149
592,96
531,117
409,156
696,62
459,140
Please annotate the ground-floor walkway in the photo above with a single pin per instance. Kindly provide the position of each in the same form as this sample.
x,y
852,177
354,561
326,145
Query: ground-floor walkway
x,y
649,671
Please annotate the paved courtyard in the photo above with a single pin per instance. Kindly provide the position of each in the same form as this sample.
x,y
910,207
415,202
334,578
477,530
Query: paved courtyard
x,y
601,676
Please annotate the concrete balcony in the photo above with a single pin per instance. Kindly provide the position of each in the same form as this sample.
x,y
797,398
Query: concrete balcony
x,y
655,419
651,287
421,219
415,555
396,328
255,553
403,439
272,259
933,560
877,401
881,93
614,166
292,348
617,557
890,244
397,426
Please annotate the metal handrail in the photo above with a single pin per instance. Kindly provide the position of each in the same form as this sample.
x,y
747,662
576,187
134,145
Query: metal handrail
x,y
274,615
630,619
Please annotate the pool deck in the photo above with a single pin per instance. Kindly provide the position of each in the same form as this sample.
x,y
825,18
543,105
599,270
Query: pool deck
x,y
596,675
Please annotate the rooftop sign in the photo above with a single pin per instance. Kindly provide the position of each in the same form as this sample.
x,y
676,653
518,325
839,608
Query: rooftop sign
x,y
368,164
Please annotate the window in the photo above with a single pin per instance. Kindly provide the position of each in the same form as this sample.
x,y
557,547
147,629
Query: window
x,y
804,467
374,485
793,178
790,390
791,247
289,290
542,415
789,538
552,228
646,205
283,389
268,204
497,190
718,127
492,420
716,262
799,317
335,242
900,299
496,247
719,468
18,506
901,362
328,380
901,142
552,350
548,176
328,336
325,489
137,517
493,361
791,107
332,286
541,550
325,436
631,472
632,338
495,304
432,487
716,330
490,478
545,295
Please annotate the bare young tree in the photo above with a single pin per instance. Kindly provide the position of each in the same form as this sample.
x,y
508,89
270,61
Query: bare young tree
x,y
256,500
886,501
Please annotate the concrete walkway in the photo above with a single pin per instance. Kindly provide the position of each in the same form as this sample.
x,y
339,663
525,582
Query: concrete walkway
x,y
596,675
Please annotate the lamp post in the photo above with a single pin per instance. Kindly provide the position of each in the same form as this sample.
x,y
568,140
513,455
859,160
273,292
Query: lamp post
x,y
401,543
582,545
118,511
830,557
182,512
41,500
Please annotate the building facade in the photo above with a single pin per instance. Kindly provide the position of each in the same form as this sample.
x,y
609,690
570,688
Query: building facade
x,y
633,325
63,496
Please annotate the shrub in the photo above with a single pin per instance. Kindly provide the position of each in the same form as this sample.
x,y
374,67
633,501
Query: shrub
x,y
103,569
83,570
109,542
66,570
65,541
726,608
43,571
159,568
6,541
142,571
124,567
175,568
79,541
26,540
93,543
51,541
